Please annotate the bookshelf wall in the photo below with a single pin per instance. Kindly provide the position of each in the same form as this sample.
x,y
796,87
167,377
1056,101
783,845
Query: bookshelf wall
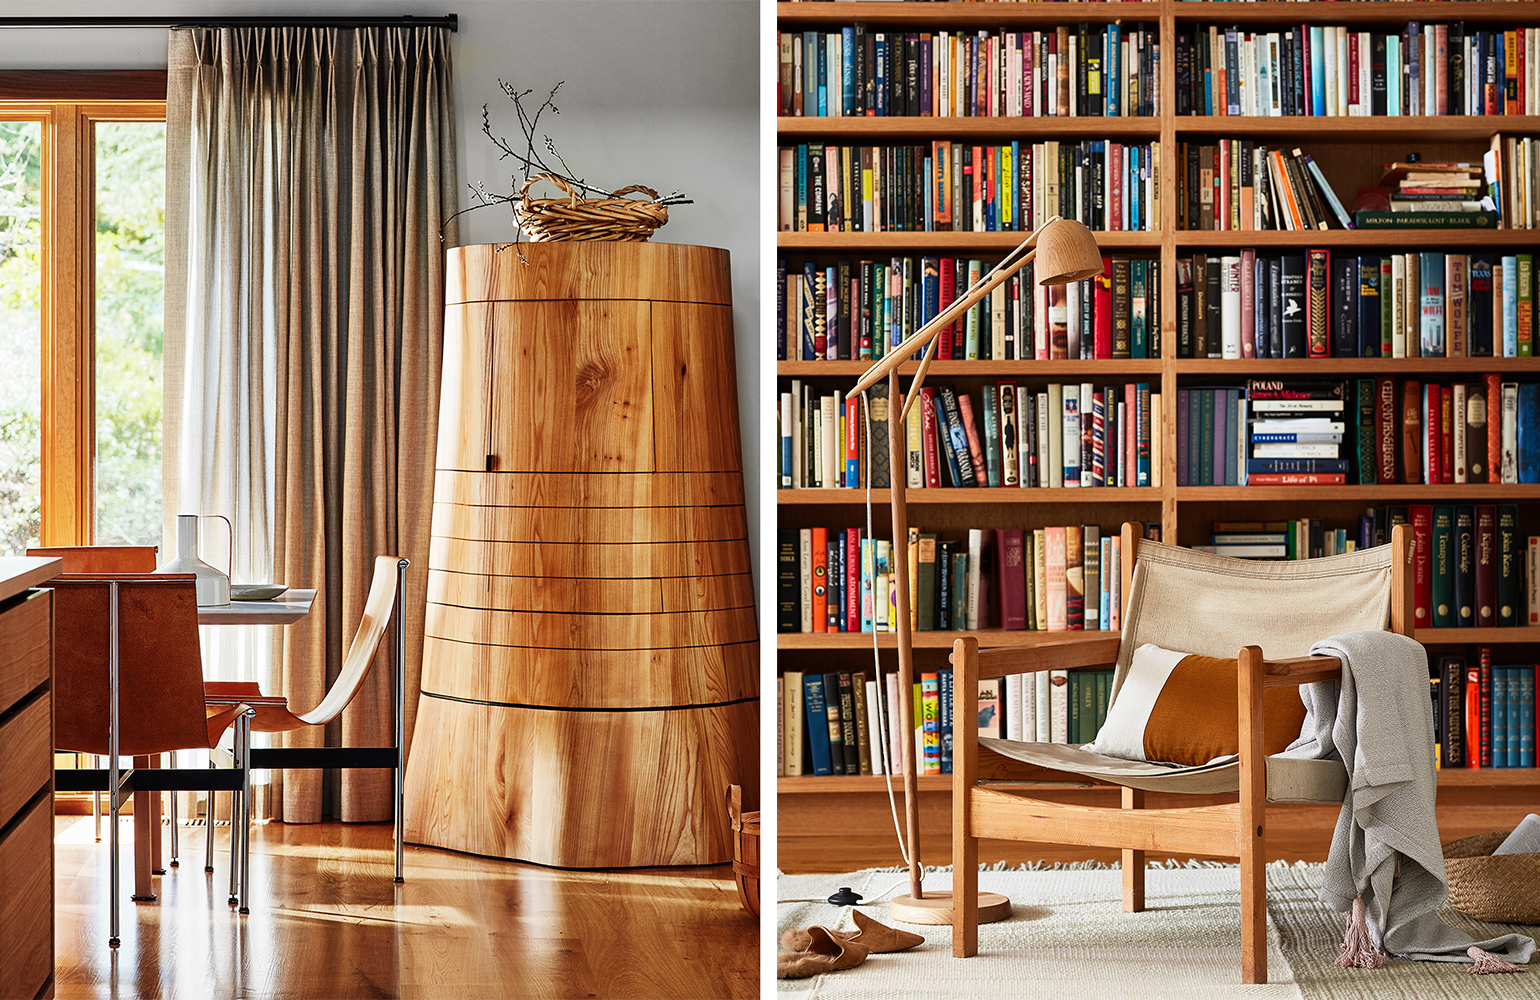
x,y
1350,151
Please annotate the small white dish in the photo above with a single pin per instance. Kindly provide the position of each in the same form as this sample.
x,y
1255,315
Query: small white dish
x,y
255,591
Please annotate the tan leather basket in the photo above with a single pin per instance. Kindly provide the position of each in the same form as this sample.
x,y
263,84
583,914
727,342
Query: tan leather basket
x,y
1503,888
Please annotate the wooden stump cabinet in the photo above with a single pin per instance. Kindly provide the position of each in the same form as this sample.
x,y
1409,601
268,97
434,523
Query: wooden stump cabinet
x,y
589,683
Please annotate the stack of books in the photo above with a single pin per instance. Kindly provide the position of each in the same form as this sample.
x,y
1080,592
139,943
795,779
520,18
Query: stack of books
x,y
1484,714
1296,432
1427,194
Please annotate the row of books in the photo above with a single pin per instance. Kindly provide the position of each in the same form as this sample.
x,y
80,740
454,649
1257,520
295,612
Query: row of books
x,y
1484,713
1050,579
1088,70
1322,305
1376,430
848,723
1301,538
1064,435
1336,71
856,310
1512,165
948,186
1238,184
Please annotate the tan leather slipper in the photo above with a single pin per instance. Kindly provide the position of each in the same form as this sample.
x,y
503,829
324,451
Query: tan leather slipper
x,y
875,937
824,953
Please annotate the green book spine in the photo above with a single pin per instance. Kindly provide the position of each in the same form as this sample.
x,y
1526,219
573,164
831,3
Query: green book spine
x,y
1510,570
1103,688
992,435
1088,687
1526,314
1443,567
1075,678
1368,473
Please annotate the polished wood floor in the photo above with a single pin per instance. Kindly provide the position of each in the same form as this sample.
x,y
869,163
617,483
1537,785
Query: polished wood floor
x,y
326,921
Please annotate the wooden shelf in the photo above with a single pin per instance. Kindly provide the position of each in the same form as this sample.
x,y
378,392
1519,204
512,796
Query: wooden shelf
x,y
1437,128
1000,494
1486,636
989,638
967,127
1381,492
971,15
1511,777
1348,12
938,242
1046,370
1251,367
1199,239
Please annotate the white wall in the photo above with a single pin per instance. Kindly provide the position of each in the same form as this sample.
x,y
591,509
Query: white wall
x,y
658,92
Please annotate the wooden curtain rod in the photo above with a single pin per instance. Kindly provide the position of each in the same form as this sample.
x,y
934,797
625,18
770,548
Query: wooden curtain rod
x,y
450,21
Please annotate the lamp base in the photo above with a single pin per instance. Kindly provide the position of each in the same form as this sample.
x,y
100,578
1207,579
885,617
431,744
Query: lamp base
x,y
936,908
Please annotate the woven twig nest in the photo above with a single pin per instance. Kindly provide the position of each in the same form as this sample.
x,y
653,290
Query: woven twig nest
x,y
575,218
1503,888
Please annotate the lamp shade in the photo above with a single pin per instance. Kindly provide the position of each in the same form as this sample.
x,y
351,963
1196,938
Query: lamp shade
x,y
1066,251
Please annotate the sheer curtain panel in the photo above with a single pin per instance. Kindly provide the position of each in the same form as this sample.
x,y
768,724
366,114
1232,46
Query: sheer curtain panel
x,y
308,172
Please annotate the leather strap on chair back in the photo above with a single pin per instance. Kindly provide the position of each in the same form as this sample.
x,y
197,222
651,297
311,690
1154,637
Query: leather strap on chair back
x,y
161,705
1197,602
377,610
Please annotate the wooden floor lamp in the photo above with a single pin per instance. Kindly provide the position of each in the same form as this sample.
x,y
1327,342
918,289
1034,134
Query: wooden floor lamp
x,y
1065,251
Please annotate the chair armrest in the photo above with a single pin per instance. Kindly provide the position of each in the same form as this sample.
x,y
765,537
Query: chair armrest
x,y
238,693
1055,654
1298,670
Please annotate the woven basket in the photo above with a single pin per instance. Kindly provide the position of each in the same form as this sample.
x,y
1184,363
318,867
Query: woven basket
x,y
745,850
1503,888
575,218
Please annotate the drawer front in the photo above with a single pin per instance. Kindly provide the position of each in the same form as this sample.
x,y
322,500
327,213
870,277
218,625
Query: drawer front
x,y
26,903
26,756
26,644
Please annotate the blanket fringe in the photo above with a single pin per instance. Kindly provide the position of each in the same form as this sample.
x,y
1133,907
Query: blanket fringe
x,y
1358,950
1486,962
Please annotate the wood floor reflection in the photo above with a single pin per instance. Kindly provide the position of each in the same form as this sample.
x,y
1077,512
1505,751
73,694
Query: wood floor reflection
x,y
326,921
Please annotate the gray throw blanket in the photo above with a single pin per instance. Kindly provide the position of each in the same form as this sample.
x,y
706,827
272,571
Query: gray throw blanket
x,y
1379,722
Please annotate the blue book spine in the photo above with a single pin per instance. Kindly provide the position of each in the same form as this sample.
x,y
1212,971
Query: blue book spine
x,y
1141,434
1500,728
1510,306
823,75
880,91
1526,716
929,217
806,321
1323,465
1432,304
1393,75
799,217
945,683
786,479
848,71
1317,71
1232,432
1514,716
1529,432
1112,62
817,721
1134,189
1105,597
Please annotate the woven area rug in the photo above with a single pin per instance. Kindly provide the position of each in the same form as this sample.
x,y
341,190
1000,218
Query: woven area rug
x,y
1069,939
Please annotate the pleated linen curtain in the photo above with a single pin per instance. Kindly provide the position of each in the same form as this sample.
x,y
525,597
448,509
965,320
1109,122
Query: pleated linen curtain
x,y
309,171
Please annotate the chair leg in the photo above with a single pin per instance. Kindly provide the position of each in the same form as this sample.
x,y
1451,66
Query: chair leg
x,y
156,836
145,837
208,815
398,696
1253,812
1133,861
243,737
96,801
174,862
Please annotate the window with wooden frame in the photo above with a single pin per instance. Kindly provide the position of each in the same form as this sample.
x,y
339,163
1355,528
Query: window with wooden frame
x,y
82,210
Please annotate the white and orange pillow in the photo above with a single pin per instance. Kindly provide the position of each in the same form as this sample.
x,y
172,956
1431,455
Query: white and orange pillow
x,y
1180,708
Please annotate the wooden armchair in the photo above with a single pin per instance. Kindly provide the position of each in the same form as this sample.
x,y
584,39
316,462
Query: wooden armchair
x,y
1194,602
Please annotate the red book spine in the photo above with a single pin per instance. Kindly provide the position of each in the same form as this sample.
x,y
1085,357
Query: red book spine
x,y
1103,308
1010,564
991,193
820,579
1318,302
1296,479
1486,565
971,428
1494,428
1432,404
1473,731
850,472
1352,69
1486,706
852,579
927,405
1421,516
1446,434
1387,426
1411,451
947,296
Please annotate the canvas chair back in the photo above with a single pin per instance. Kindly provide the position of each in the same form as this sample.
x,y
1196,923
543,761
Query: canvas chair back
x,y
1197,602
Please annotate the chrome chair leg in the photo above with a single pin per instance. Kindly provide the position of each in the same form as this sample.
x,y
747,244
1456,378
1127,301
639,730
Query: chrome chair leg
x,y
208,814
175,863
112,773
236,833
243,735
398,694
96,801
